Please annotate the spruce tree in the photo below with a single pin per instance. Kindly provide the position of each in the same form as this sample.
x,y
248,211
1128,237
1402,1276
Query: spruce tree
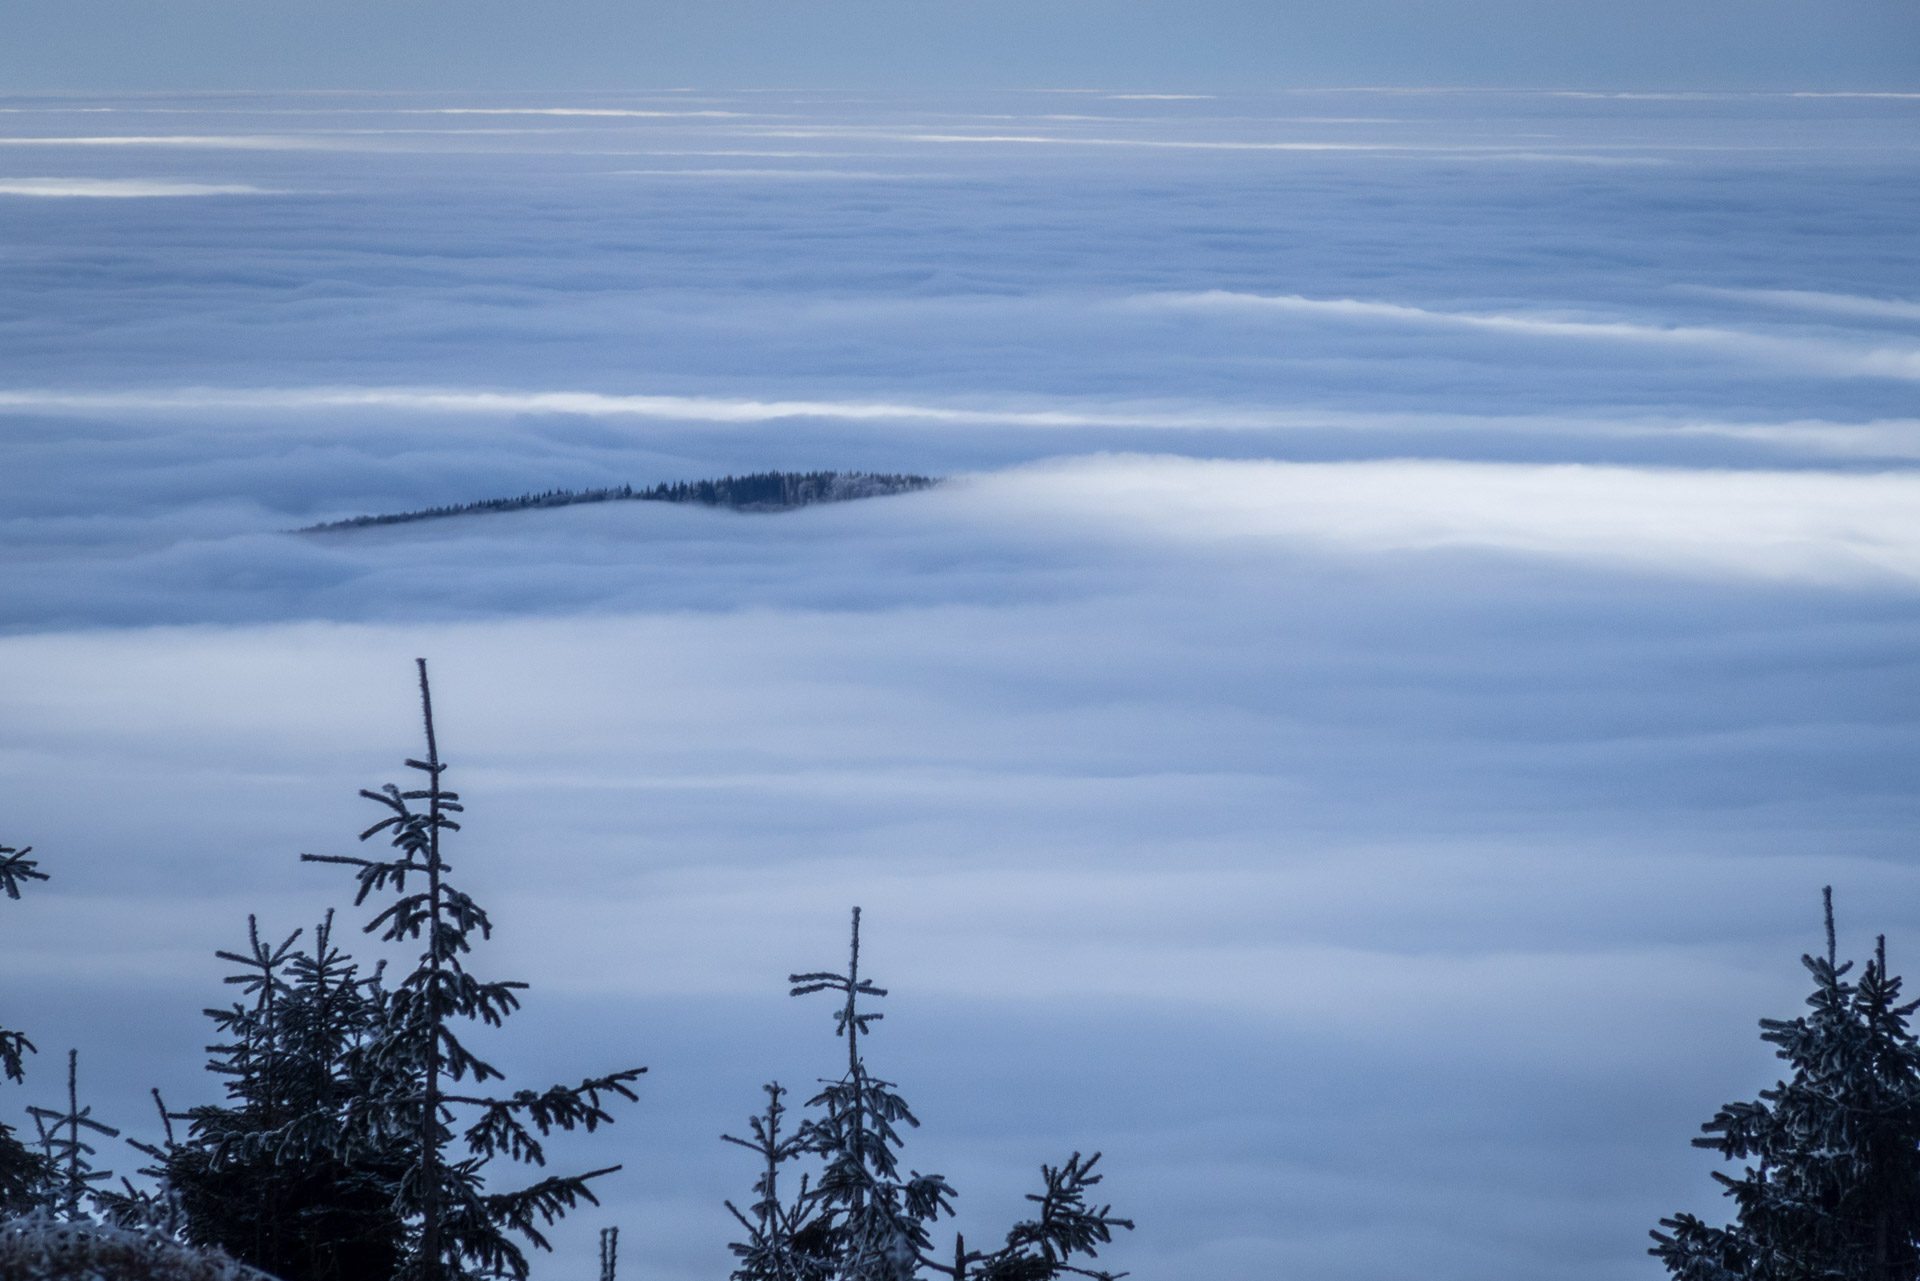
x,y
861,1221
407,1075
66,1153
785,1241
22,1173
1833,1189
876,1221
279,1176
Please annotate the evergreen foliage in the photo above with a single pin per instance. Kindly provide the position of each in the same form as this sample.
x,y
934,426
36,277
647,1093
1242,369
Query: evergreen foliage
x,y
16,869
861,1220
1041,1249
286,1176
874,1220
766,491
406,1072
65,1152
155,1209
355,1140
1833,1191
22,1174
785,1242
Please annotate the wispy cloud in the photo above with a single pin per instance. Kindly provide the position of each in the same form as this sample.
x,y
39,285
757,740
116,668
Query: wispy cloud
x,y
1602,155
111,188
1814,300
211,142
1880,438
714,409
1881,360
615,112
1071,140
780,175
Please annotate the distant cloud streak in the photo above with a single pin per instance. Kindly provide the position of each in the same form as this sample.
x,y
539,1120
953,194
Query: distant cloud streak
x,y
125,188
1885,438
1880,361
213,142
1834,304
611,112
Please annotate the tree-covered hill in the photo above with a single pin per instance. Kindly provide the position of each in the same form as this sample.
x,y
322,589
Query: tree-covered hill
x,y
767,491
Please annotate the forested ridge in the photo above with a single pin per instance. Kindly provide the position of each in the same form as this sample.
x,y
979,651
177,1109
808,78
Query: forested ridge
x,y
765,491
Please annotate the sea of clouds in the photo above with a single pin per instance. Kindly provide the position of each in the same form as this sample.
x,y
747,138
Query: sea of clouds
x,y
1426,593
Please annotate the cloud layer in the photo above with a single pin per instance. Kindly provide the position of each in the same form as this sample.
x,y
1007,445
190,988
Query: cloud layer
x,y
120,187
1428,592
1806,526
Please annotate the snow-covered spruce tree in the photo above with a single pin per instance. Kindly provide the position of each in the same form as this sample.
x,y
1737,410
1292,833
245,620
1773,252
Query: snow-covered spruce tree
x,y
785,1241
1833,1189
156,1208
862,1221
406,1076
66,1153
22,1173
279,1176
873,1221
1043,1248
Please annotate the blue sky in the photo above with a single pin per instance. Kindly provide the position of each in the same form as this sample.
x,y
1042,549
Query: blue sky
x,y
1425,597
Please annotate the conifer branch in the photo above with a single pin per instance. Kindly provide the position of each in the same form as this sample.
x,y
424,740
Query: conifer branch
x,y
16,867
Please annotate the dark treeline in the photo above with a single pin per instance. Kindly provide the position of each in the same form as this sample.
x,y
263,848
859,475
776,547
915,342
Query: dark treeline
x,y
766,491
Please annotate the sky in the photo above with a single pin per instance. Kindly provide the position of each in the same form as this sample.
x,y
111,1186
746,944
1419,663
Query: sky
x,y
1192,45
1424,594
